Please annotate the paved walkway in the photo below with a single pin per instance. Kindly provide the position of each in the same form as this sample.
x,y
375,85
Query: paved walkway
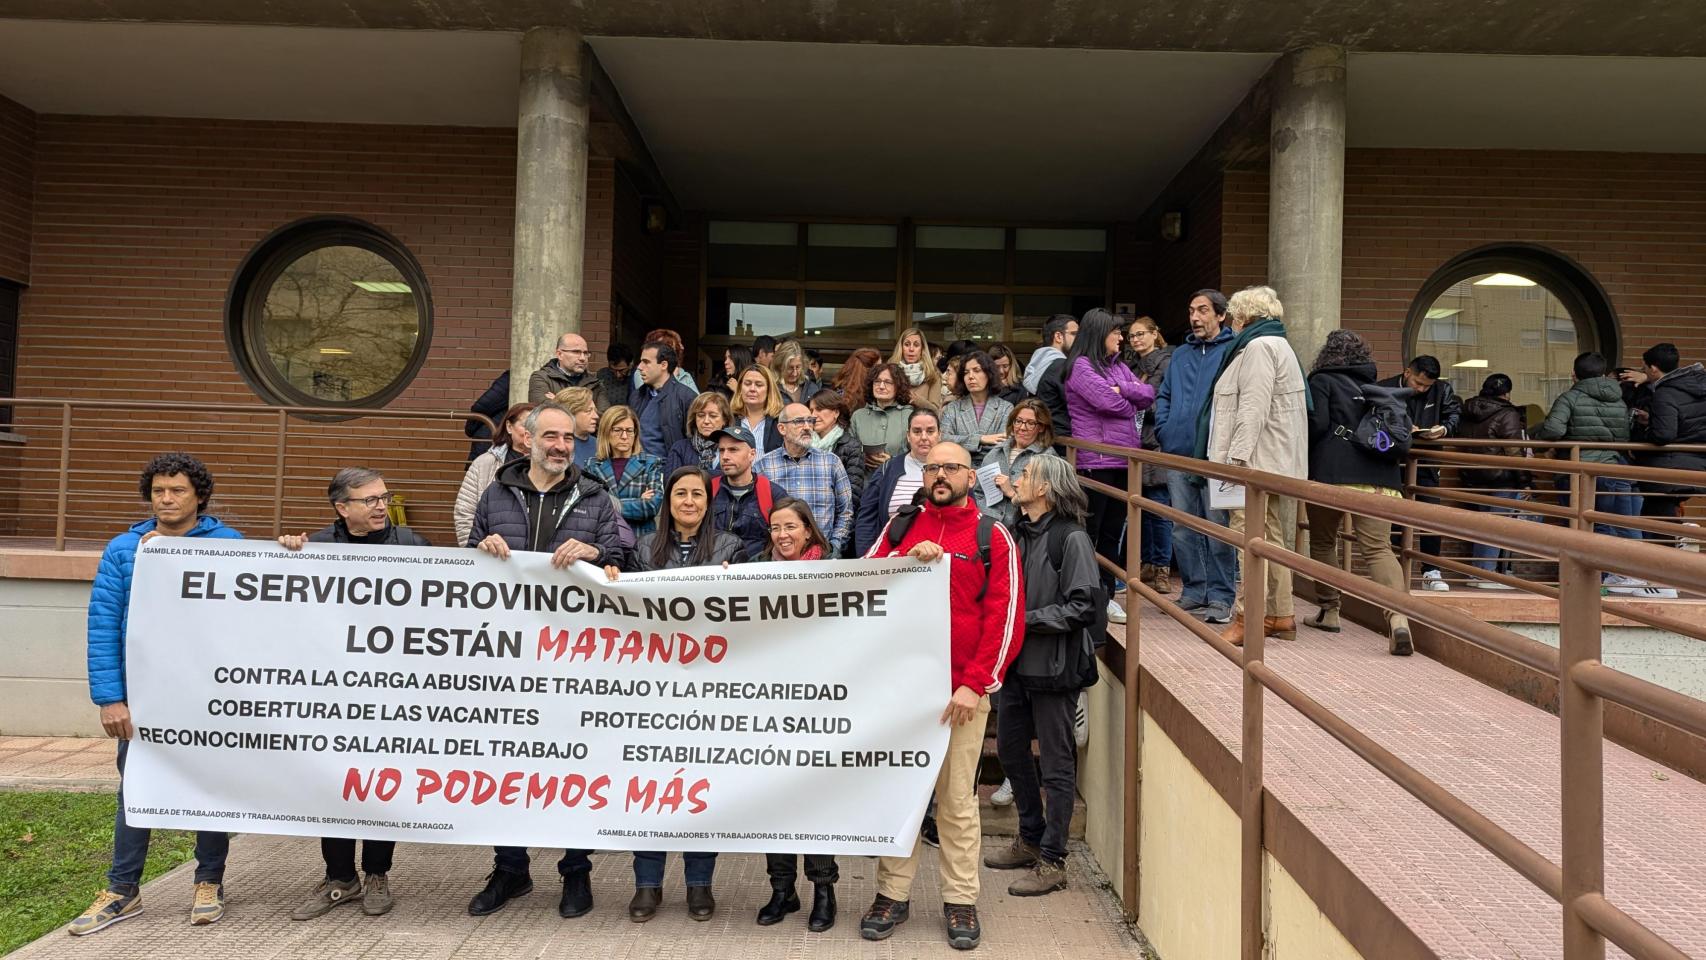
x,y
79,764
269,875
1497,754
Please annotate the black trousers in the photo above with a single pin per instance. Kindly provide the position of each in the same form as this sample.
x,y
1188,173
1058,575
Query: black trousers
x,y
1042,798
784,869
1106,520
339,855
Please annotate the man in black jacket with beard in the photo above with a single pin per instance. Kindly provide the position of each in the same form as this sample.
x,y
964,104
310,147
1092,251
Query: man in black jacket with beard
x,y
1434,413
545,504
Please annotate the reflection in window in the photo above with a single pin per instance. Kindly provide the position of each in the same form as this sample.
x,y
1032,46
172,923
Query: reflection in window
x,y
340,324
959,316
863,316
1032,312
737,312
1502,323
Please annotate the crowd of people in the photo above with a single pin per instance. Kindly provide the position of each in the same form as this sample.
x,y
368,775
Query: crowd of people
x,y
929,454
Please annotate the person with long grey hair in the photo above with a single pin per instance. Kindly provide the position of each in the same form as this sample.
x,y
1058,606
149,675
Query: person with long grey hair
x,y
1341,377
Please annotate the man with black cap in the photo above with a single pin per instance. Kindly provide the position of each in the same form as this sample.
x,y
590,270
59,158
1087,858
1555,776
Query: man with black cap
x,y
740,498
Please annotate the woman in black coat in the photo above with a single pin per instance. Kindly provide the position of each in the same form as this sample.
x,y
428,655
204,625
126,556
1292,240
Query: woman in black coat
x,y
1337,381
684,537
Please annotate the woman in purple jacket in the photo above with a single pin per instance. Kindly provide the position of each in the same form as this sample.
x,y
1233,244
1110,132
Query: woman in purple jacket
x,y
1106,401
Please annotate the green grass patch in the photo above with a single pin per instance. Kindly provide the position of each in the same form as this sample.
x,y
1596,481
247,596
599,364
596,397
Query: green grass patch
x,y
55,849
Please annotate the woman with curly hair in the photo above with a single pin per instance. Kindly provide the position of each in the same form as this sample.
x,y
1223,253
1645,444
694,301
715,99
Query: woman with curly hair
x,y
1343,373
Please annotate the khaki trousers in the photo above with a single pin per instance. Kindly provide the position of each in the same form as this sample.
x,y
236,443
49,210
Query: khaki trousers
x,y
957,821
1371,547
1279,528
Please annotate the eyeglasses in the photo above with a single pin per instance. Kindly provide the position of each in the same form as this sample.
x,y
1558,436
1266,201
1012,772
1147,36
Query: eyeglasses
x,y
946,469
622,431
1027,423
882,383
787,527
573,353
371,503
797,421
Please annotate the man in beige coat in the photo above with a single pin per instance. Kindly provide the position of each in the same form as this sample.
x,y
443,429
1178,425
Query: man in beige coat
x,y
1260,420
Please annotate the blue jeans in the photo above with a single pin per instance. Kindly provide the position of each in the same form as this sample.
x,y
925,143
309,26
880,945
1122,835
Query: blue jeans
x,y
648,868
1158,530
1613,495
1486,556
514,860
1206,567
130,846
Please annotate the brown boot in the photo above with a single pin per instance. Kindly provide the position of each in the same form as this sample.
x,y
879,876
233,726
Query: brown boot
x,y
1147,575
1284,628
1163,581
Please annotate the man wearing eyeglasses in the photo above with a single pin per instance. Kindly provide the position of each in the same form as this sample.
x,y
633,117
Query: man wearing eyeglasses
x,y
986,627
815,476
363,503
567,368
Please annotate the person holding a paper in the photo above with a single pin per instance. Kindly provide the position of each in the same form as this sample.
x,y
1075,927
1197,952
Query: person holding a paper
x,y
1029,432
1259,419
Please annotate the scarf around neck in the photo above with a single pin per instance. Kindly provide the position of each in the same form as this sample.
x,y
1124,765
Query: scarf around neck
x,y
914,372
1262,327
827,441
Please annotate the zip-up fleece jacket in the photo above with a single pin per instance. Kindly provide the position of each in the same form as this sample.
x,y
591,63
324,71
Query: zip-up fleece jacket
x,y
985,635
109,605
1185,389
577,508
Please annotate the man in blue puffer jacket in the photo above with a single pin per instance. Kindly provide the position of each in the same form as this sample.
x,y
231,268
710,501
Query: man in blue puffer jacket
x,y
1207,567
177,487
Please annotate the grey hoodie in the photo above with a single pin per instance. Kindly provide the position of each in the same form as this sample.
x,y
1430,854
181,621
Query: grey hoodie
x,y
1039,362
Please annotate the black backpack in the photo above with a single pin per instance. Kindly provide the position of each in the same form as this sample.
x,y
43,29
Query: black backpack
x,y
1383,430
902,522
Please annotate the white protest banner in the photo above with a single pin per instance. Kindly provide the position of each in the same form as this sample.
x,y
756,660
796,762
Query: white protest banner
x,y
447,696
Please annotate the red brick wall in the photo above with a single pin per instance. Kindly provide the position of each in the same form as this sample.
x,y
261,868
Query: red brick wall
x,y
17,188
1636,222
139,226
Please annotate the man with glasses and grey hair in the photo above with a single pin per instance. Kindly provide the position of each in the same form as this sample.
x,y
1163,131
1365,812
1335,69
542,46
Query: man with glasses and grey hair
x,y
813,475
362,502
363,505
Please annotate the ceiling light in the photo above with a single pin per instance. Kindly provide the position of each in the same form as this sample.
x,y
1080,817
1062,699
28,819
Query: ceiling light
x,y
383,286
1472,364
1504,280
334,352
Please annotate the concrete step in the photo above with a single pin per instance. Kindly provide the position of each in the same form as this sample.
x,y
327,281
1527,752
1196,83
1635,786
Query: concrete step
x,y
1004,821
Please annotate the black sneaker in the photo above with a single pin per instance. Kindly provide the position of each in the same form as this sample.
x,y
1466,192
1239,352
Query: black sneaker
x,y
964,933
502,886
883,917
927,830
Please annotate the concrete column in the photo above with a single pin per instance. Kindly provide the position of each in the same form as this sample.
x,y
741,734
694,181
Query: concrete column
x,y
1306,193
550,199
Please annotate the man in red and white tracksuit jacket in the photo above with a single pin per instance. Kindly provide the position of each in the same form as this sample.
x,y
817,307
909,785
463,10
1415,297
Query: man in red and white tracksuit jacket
x,y
987,626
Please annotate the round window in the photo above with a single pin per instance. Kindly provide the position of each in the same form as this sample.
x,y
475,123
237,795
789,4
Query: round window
x,y
331,313
1521,311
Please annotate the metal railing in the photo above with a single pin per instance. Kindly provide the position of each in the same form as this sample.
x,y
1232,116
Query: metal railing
x,y
265,460
1585,684
1569,499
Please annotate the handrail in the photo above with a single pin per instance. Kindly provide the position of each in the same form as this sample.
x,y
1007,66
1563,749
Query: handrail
x,y
285,417
1584,683
1428,443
